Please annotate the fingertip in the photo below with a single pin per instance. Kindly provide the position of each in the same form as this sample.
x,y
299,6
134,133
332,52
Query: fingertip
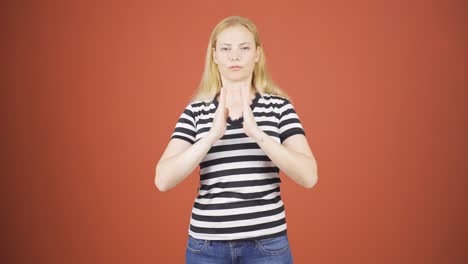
x,y
222,96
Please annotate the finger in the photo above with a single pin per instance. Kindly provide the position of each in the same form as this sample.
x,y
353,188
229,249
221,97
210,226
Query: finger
x,y
226,113
242,94
225,94
245,96
222,98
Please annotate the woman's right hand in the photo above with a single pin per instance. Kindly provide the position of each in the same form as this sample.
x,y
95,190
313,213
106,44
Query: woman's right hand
x,y
219,125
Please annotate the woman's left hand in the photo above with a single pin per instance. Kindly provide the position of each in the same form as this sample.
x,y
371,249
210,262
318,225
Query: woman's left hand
x,y
250,125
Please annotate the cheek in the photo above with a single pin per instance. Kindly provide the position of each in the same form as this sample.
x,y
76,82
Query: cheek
x,y
222,67
251,56
250,65
221,62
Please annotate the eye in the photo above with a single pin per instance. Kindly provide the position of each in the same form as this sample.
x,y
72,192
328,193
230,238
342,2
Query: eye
x,y
224,49
246,48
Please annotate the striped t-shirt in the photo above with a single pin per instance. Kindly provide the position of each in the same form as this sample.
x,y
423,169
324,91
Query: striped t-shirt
x,y
239,191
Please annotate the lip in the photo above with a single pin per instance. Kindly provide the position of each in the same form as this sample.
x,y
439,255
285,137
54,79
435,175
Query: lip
x,y
235,67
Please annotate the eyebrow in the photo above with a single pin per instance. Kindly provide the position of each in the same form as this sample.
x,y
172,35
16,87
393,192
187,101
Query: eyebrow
x,y
239,44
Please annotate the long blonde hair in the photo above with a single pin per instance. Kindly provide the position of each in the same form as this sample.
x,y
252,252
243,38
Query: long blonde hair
x,y
210,83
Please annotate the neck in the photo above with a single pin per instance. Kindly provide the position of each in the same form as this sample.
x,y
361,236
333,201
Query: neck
x,y
234,87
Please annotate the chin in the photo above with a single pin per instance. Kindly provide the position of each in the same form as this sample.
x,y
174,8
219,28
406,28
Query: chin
x,y
236,77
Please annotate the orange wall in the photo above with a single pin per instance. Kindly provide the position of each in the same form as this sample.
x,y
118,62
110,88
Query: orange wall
x,y
92,92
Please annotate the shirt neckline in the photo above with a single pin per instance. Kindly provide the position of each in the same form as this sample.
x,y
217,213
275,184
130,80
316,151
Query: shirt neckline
x,y
238,122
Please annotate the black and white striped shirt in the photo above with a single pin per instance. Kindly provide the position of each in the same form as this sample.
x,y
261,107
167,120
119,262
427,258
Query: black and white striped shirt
x,y
239,192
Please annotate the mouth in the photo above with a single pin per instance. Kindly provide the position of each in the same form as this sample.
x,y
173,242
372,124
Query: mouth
x,y
235,67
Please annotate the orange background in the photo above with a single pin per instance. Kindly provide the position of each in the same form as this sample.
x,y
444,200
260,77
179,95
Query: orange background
x,y
92,91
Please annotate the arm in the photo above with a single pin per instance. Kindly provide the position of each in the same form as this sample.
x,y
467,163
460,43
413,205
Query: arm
x,y
294,157
179,159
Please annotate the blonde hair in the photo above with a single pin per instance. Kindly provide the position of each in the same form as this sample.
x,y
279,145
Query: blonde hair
x,y
210,83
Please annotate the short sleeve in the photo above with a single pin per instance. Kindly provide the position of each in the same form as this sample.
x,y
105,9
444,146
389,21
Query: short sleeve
x,y
185,128
289,123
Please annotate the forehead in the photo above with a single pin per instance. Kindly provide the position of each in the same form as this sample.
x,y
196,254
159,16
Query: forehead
x,y
235,35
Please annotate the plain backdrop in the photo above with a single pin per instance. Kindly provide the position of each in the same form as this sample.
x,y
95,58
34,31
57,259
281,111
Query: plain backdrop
x,y
92,90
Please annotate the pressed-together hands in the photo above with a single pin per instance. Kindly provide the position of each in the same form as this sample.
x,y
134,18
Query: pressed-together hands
x,y
251,128
221,115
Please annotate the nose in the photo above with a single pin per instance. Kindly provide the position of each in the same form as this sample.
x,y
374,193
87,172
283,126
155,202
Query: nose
x,y
235,56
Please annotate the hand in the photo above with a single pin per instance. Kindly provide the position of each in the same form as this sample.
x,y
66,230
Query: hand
x,y
251,128
220,118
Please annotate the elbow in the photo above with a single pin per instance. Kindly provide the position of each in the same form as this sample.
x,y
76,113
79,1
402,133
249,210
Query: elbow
x,y
160,186
312,180
158,181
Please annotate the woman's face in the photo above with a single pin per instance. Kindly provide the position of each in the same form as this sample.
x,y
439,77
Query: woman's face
x,y
235,46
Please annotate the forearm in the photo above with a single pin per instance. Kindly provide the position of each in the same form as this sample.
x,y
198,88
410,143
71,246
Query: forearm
x,y
173,170
299,167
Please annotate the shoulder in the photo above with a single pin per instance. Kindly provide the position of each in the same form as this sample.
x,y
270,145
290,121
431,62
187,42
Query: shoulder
x,y
275,100
194,104
199,107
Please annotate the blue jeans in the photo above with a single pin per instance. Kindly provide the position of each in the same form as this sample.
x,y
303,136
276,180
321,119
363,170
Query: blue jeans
x,y
269,250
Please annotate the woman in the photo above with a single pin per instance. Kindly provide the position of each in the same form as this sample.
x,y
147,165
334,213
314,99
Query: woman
x,y
241,130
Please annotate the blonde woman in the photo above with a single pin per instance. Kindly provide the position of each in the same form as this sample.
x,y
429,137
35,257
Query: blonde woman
x,y
241,129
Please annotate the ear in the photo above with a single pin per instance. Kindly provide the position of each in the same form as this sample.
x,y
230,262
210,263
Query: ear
x,y
213,50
